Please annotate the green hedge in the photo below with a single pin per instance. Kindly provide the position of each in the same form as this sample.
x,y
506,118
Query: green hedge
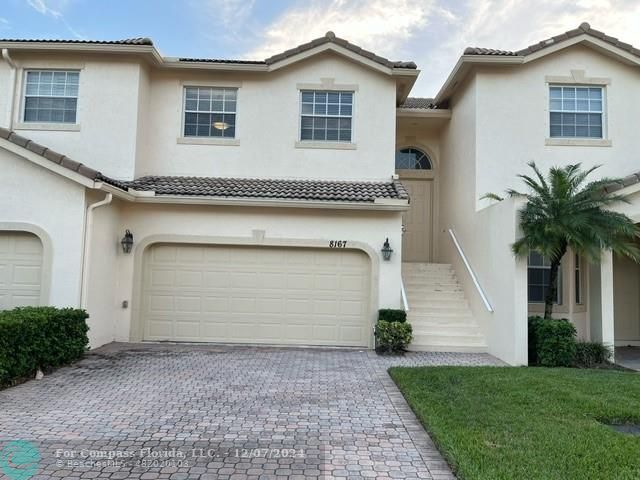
x,y
33,338
591,354
393,337
392,315
552,343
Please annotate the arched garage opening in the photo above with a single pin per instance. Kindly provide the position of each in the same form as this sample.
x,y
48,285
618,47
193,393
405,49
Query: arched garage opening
x,y
21,268
255,294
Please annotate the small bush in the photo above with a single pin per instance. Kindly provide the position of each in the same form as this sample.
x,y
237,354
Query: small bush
x,y
591,354
392,315
551,342
393,337
33,338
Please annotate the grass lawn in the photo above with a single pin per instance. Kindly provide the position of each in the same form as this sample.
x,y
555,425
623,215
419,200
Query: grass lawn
x,y
528,423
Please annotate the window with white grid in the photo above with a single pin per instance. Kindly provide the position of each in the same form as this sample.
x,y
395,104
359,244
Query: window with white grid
x,y
210,112
51,96
326,116
576,112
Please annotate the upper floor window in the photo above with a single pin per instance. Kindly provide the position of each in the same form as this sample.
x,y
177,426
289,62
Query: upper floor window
x,y
576,112
412,159
539,279
326,116
210,112
51,96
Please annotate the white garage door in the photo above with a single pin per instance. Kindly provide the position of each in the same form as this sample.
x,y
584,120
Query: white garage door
x,y
20,269
256,295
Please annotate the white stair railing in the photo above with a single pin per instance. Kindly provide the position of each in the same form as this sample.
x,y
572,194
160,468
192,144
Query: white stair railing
x,y
472,274
403,294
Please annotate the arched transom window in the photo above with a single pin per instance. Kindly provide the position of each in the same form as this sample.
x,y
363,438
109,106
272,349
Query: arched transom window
x,y
412,159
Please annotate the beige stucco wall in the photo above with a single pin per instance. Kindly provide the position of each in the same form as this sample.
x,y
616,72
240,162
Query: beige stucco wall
x,y
626,298
259,226
513,119
268,115
107,110
102,273
484,236
52,207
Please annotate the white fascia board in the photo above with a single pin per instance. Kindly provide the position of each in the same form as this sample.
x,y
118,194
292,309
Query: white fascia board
x,y
44,163
137,196
334,48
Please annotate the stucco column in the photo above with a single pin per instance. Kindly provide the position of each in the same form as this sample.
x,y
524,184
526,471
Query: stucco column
x,y
606,296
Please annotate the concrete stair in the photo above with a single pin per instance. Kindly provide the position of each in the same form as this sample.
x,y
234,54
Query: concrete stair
x,y
438,310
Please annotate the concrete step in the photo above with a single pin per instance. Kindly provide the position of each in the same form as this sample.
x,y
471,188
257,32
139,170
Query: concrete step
x,y
426,266
419,302
430,283
436,295
438,310
453,331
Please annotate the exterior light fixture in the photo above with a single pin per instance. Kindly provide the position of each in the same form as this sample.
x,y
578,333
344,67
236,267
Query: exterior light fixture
x,y
386,251
220,125
127,241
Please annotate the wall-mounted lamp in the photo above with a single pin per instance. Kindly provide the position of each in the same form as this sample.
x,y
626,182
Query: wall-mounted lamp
x,y
127,241
386,251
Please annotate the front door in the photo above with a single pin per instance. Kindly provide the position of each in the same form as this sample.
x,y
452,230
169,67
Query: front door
x,y
418,220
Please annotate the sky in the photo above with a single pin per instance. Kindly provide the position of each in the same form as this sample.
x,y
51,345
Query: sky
x,y
432,33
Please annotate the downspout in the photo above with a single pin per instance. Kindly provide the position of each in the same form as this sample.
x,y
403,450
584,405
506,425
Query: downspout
x,y
12,98
86,253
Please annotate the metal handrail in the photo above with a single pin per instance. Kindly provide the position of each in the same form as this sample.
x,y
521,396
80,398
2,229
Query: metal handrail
x,y
403,294
472,274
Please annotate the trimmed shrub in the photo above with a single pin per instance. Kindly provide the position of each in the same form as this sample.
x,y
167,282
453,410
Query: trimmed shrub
x,y
392,315
393,337
33,338
591,354
552,343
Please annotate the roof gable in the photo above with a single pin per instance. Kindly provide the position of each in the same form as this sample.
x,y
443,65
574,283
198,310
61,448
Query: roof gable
x,y
584,35
583,29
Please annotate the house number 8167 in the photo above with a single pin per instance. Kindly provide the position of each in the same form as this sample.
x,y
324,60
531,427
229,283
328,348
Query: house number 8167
x,y
337,244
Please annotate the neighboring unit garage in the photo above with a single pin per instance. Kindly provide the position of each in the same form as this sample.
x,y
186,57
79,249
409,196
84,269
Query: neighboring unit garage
x,y
241,294
20,269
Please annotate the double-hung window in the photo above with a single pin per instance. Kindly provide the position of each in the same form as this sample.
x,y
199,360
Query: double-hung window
x,y
326,116
51,96
576,112
539,278
210,112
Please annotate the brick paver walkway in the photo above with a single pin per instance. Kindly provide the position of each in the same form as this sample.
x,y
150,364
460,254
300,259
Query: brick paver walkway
x,y
152,411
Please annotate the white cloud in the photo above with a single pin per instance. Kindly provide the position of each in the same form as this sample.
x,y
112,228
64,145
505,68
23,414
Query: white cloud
x,y
53,8
434,33
383,26
229,17
43,7
512,25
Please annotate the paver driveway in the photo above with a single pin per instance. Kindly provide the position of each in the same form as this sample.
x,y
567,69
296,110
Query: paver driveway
x,y
196,411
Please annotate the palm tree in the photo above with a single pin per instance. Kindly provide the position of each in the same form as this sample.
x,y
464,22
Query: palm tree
x,y
564,211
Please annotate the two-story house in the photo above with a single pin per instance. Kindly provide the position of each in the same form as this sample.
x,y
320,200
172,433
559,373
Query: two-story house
x,y
286,200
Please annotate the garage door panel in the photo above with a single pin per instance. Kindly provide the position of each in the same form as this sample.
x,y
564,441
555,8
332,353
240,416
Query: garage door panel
x,y
188,278
164,254
256,295
188,304
27,275
20,269
244,279
161,303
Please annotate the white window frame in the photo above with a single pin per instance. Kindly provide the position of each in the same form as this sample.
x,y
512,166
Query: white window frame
x,y
208,140
22,124
337,144
577,278
578,140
